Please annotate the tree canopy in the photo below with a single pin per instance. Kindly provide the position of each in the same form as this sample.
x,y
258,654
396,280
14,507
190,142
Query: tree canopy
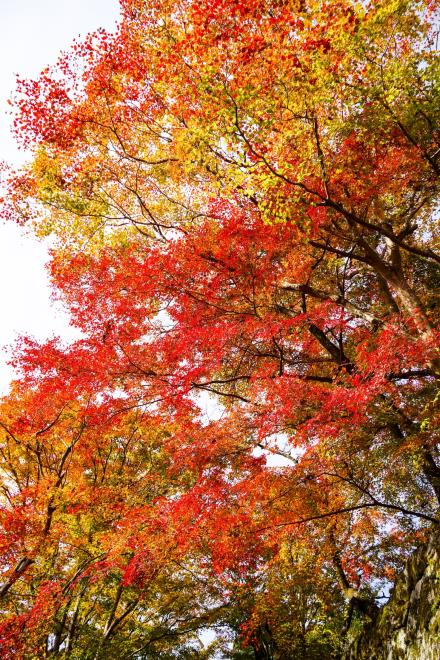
x,y
243,197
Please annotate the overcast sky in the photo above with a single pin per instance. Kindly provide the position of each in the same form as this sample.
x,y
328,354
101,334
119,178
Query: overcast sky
x,y
32,34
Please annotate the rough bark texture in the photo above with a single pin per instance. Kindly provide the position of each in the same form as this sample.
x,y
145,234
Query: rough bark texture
x,y
408,626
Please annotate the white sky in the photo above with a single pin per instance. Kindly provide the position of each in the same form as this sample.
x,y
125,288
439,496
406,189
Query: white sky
x,y
32,33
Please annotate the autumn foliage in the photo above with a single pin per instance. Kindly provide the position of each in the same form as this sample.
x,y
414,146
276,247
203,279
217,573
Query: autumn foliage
x,y
243,197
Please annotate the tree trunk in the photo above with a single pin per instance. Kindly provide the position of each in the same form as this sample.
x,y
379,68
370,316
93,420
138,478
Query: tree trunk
x,y
431,472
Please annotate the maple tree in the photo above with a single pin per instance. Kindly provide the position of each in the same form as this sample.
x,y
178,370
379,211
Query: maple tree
x,y
243,196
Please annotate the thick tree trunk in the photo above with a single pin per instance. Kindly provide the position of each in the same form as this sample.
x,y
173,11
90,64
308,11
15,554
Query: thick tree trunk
x,y
408,302
431,472
265,646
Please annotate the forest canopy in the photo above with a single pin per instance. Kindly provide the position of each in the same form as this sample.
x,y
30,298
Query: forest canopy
x,y
243,444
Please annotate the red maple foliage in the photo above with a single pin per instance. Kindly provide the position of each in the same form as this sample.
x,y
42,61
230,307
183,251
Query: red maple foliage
x,y
243,196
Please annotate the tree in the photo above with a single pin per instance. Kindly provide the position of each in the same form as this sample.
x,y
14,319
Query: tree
x,y
244,197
